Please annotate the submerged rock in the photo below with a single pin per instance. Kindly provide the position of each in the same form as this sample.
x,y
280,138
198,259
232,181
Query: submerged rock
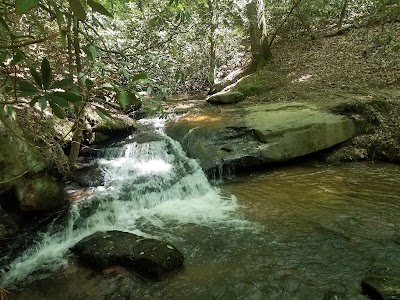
x,y
226,98
259,134
382,284
146,256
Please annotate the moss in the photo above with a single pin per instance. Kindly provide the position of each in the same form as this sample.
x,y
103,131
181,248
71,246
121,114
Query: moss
x,y
253,84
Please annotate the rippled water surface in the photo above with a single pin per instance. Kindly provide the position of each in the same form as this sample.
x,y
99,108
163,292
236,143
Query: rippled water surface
x,y
299,232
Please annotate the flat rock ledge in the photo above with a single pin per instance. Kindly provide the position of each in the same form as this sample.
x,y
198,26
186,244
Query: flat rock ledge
x,y
149,257
258,134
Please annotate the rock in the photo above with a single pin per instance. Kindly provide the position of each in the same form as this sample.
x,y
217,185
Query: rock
x,y
146,256
382,284
89,176
118,125
21,161
226,98
258,134
8,225
332,295
41,192
16,155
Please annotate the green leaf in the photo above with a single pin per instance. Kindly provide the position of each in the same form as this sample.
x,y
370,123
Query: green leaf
x,y
125,72
57,111
103,113
113,104
92,52
3,56
11,112
26,86
58,100
5,25
63,37
77,7
18,57
107,86
63,84
99,8
35,74
82,78
35,100
43,103
140,4
26,93
22,6
68,96
123,98
59,15
46,73
89,84
170,247
140,76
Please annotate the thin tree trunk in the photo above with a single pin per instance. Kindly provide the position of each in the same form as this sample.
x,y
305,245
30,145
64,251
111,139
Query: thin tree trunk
x,y
306,25
295,4
79,110
342,14
70,49
213,28
260,50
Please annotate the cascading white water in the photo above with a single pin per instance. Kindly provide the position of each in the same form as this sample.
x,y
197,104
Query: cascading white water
x,y
152,183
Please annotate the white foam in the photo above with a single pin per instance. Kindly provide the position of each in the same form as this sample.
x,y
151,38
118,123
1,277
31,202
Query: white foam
x,y
153,183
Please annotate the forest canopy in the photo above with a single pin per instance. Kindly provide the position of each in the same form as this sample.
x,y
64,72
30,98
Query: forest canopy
x,y
63,56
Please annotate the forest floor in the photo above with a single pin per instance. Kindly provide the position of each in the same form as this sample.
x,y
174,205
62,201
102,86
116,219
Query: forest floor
x,y
356,73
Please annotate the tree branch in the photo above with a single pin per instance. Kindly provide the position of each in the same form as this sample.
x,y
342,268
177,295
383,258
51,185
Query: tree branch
x,y
27,43
283,22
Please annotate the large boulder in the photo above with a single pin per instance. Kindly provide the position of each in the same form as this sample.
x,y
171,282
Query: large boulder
x,y
41,192
118,126
29,171
259,134
146,256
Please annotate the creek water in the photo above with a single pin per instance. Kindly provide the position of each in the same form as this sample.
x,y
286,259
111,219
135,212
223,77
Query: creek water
x,y
289,233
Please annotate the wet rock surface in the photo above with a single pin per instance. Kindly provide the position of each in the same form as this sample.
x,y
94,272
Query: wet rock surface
x,y
258,134
382,284
8,225
146,256
89,176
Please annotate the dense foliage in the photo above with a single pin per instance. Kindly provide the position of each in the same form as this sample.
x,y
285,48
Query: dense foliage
x,y
65,55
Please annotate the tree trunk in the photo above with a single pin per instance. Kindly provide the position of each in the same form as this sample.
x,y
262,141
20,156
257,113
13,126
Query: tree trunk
x,y
213,27
342,14
79,109
260,50
70,49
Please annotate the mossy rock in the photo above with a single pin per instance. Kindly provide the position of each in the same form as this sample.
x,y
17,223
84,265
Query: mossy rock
x,y
146,256
226,98
40,192
260,83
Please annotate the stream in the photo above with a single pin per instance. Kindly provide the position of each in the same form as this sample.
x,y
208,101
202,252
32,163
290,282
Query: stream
x,y
294,232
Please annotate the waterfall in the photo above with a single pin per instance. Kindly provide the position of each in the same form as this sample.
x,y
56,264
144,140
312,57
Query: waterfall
x,y
146,185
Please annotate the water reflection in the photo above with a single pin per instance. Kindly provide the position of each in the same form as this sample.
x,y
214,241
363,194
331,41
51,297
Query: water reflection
x,y
314,229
